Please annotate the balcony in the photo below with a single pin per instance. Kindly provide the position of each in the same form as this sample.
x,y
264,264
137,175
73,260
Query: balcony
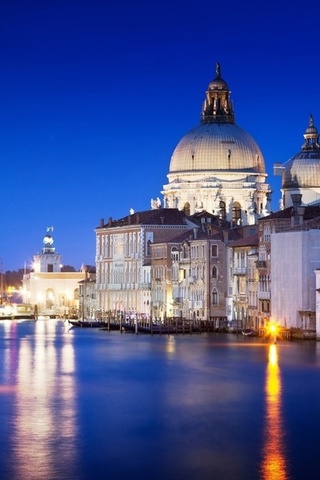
x,y
240,271
264,295
177,301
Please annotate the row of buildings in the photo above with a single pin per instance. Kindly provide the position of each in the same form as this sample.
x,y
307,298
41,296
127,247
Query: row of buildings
x,y
213,250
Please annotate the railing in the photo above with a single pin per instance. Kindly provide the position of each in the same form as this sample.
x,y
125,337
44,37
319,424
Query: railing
x,y
240,271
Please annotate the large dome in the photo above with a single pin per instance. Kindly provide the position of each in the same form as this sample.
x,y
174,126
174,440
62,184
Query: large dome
x,y
217,146
303,169
217,143
217,166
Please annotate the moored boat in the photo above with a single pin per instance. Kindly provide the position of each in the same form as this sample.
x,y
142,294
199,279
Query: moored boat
x,y
90,323
248,332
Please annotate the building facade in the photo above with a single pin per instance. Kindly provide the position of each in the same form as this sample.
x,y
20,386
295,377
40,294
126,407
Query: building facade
x,y
123,260
218,167
52,292
293,289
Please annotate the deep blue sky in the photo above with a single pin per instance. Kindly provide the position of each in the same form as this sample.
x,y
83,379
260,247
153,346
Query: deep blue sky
x,y
95,95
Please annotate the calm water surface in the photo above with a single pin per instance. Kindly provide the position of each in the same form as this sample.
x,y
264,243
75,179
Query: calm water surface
x,y
87,404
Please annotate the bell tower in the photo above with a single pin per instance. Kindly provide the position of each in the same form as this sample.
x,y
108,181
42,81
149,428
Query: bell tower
x,y
48,261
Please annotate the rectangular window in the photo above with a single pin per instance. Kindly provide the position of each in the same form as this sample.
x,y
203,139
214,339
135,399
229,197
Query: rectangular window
x,y
214,250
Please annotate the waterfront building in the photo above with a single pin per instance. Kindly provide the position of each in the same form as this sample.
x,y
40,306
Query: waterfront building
x,y
295,218
192,274
168,297
293,286
51,291
205,285
123,259
301,174
217,166
244,281
87,294
185,283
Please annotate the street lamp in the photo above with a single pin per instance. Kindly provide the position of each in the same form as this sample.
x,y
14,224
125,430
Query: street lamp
x,y
273,331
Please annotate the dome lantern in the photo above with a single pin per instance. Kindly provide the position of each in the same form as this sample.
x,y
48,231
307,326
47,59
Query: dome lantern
x,y
217,106
311,137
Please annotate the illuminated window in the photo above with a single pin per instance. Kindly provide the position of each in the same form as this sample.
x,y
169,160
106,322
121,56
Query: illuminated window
x,y
236,214
186,208
222,207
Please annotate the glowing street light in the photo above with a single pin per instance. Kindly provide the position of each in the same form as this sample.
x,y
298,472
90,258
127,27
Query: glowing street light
x,y
273,328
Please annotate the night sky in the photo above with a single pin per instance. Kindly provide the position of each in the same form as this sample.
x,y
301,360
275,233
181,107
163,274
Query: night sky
x,y
95,96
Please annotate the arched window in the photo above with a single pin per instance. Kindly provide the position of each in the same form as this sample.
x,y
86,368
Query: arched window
x,y
214,297
214,272
186,208
236,213
222,207
49,298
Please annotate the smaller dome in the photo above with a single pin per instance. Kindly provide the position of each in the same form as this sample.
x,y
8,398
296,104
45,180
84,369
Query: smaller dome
x,y
303,169
218,84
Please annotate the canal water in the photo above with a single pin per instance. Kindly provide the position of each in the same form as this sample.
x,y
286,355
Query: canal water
x,y
80,404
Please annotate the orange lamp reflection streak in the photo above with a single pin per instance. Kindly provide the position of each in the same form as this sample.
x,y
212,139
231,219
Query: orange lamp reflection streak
x,y
274,462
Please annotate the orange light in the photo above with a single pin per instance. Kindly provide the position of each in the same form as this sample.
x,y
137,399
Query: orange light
x,y
273,328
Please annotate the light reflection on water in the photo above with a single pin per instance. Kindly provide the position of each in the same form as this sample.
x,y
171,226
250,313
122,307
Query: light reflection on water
x,y
274,464
89,405
44,423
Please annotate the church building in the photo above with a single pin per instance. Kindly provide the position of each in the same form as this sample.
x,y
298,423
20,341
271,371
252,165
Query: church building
x,y
217,166
51,291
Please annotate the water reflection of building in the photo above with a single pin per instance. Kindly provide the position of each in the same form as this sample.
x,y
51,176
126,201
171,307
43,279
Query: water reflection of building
x,y
274,465
45,419
53,291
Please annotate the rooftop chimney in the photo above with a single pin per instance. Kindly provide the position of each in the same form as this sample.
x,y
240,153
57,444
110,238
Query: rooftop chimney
x,y
296,210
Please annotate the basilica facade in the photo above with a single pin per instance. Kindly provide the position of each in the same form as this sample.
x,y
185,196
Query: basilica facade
x,y
217,166
52,292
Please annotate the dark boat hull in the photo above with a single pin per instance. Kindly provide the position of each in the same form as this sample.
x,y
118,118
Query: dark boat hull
x,y
94,324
